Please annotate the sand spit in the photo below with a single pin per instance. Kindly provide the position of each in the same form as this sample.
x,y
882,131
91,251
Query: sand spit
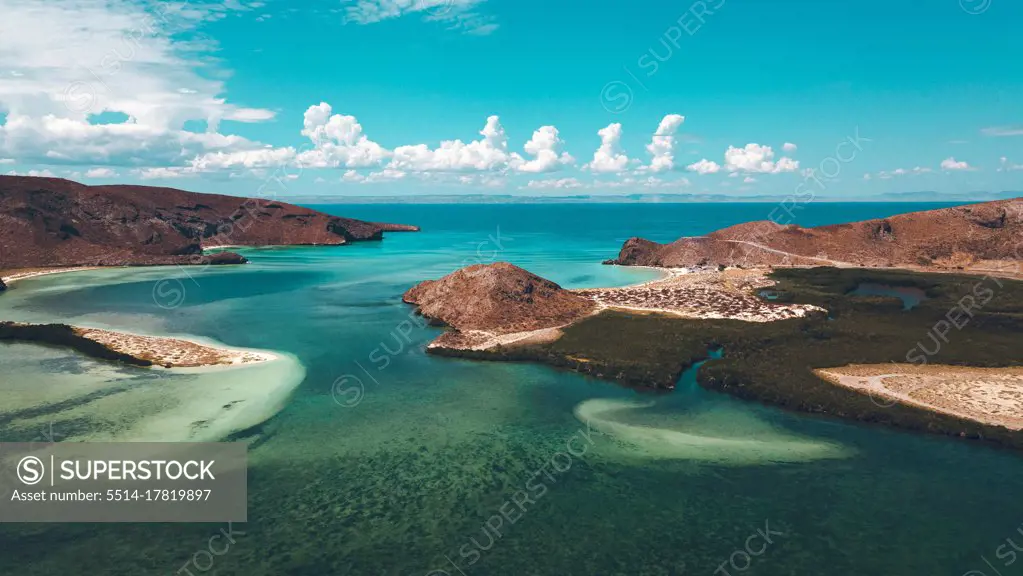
x,y
24,273
172,352
748,441
992,396
134,349
729,294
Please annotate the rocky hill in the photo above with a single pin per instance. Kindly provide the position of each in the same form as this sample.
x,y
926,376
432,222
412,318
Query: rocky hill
x,y
945,238
498,298
55,222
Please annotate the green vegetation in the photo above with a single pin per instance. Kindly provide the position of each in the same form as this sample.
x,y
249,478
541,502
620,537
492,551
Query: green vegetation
x,y
966,320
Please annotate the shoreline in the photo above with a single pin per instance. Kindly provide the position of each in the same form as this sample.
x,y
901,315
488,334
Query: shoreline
x,y
26,273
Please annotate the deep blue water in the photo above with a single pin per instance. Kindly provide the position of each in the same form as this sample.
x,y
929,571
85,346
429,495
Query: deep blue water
x,y
387,461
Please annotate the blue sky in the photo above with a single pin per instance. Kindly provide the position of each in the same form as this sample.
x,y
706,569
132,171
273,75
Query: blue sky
x,y
397,97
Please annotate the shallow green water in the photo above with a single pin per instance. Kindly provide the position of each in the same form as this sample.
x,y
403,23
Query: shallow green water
x,y
384,460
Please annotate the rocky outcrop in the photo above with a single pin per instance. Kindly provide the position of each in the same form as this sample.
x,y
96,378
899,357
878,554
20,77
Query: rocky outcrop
x,y
498,299
55,222
396,227
990,231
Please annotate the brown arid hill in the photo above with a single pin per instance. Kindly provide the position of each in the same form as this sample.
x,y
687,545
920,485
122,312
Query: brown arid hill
x,y
945,238
497,298
56,222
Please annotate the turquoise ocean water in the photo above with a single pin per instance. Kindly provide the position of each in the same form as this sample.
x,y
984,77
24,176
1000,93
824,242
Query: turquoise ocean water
x,y
380,460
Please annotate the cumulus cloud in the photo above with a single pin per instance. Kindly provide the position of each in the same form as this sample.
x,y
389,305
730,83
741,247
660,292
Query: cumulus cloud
x,y
488,153
756,158
545,147
164,173
249,159
951,164
52,139
37,173
752,159
338,141
609,157
663,144
100,173
704,167
789,147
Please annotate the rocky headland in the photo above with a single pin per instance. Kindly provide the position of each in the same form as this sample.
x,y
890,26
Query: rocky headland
x,y
981,237
484,302
51,222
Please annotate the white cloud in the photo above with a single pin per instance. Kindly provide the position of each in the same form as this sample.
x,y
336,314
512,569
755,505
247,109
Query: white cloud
x,y
952,164
462,15
1007,166
789,147
1001,131
100,173
886,175
261,158
70,59
338,141
545,147
749,180
757,159
75,57
560,183
704,167
37,173
163,173
6,160
486,180
663,144
609,157
51,139
352,176
490,153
